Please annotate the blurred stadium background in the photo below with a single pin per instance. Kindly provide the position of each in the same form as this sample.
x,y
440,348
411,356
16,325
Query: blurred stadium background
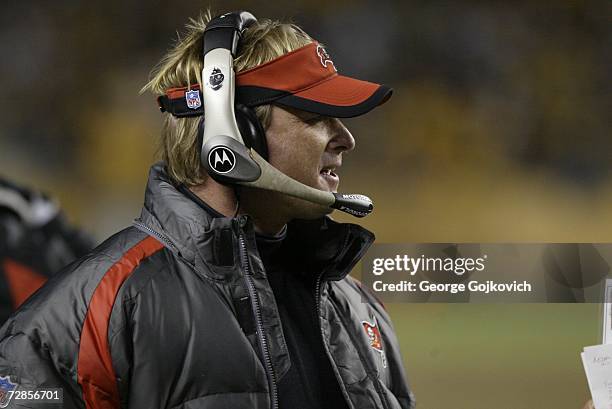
x,y
499,130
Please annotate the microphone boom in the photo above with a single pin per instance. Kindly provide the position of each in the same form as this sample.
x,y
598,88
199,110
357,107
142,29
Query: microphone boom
x,y
273,179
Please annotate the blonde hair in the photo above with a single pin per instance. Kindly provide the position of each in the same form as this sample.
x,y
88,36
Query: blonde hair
x,y
182,66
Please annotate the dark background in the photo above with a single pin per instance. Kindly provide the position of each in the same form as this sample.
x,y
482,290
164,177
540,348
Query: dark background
x,y
499,130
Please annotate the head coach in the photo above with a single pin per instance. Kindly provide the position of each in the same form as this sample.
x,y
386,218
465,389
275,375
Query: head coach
x,y
231,290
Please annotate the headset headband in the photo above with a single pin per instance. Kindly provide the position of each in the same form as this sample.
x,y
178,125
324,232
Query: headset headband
x,y
224,154
226,30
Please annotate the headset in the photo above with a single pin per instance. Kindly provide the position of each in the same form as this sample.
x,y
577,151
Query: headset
x,y
233,143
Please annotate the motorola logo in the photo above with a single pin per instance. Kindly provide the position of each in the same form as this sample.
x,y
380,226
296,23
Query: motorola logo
x,y
221,159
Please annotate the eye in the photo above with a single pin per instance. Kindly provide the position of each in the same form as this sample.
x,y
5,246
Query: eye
x,y
313,120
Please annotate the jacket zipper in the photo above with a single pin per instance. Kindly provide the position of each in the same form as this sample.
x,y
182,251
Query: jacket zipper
x,y
259,322
376,383
155,234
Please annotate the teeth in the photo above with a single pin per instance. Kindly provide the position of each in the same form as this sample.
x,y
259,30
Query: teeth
x,y
328,172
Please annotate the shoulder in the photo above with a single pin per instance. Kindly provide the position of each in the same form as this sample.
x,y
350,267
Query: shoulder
x,y
110,263
61,310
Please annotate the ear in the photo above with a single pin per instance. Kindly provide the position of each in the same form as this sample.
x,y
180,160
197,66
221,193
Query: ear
x,y
251,130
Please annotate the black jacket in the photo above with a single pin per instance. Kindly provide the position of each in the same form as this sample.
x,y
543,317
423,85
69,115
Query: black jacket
x,y
176,312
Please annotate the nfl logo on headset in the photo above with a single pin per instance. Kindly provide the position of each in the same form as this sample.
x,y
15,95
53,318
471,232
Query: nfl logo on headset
x,y
193,99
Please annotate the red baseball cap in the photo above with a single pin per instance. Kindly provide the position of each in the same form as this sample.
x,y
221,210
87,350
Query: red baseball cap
x,y
305,78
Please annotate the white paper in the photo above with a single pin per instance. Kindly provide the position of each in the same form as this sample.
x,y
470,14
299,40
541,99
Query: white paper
x,y
597,361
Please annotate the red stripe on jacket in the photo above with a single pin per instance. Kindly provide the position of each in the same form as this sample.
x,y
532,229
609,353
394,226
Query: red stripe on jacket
x,y
95,367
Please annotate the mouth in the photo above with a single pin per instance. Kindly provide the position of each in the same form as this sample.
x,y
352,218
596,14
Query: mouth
x,y
328,174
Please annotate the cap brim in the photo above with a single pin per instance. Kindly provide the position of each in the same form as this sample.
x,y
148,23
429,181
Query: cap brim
x,y
340,97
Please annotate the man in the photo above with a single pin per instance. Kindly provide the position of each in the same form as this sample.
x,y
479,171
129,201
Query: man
x,y
35,242
222,296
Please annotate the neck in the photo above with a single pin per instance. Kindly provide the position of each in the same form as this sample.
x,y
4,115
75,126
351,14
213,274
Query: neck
x,y
220,197
254,203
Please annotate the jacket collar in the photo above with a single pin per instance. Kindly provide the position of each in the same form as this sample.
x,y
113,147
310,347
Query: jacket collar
x,y
324,245
198,236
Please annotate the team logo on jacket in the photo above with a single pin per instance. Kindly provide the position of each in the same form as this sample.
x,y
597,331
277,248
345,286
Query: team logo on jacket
x,y
221,159
324,57
216,79
7,388
193,99
373,333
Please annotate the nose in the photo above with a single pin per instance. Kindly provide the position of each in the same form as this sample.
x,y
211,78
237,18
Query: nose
x,y
342,139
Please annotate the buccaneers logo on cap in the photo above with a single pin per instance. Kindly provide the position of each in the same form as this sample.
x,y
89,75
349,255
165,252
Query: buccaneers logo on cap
x,y
371,330
324,57
216,79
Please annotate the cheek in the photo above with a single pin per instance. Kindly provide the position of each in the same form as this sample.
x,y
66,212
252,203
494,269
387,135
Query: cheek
x,y
295,155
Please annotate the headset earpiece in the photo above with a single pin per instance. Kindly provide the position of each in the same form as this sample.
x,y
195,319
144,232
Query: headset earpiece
x,y
251,130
